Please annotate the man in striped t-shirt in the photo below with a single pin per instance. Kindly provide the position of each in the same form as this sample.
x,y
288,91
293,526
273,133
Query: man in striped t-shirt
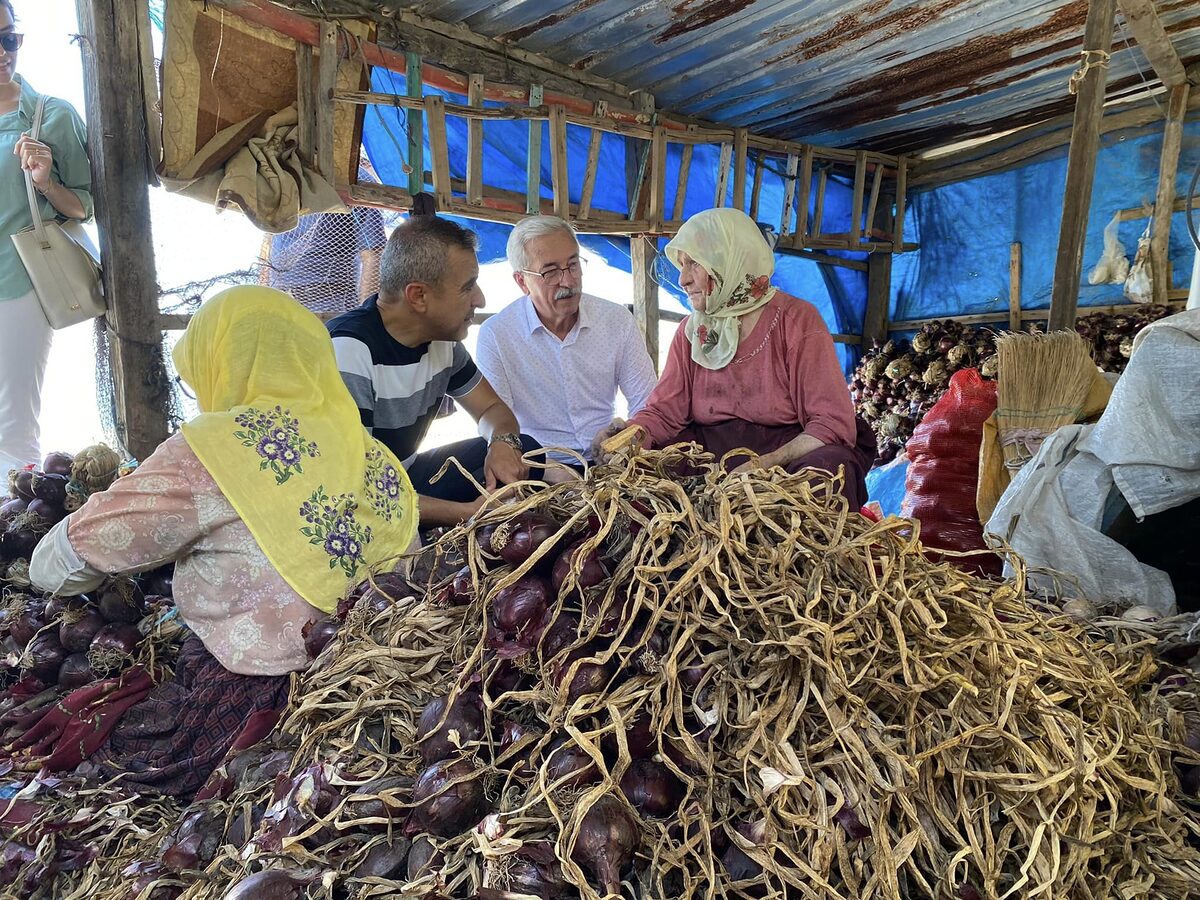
x,y
401,353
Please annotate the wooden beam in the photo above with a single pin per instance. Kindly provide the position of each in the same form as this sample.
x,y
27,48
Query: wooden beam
x,y
819,208
856,203
685,171
1147,29
591,169
414,87
475,142
789,195
656,211
435,117
740,136
1081,164
306,106
327,69
558,162
806,170
642,253
901,205
756,186
722,175
533,159
1164,199
879,272
637,156
1144,212
1014,286
115,100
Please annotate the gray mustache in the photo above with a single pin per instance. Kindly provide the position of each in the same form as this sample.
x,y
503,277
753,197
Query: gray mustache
x,y
564,293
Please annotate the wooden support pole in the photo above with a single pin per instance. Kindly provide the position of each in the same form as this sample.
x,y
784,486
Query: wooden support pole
x,y
806,170
593,164
1014,287
819,209
879,279
1164,199
1147,29
740,137
327,68
656,211
1081,164
873,203
115,101
856,203
475,143
901,204
685,171
789,195
642,252
533,161
722,175
439,149
416,129
558,162
306,106
756,187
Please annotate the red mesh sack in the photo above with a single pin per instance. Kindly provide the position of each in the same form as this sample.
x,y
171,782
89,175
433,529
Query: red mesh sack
x,y
943,471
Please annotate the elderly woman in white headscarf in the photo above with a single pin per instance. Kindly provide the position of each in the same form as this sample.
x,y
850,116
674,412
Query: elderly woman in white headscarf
x,y
752,366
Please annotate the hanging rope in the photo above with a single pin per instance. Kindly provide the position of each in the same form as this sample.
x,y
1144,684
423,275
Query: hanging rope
x,y
1092,59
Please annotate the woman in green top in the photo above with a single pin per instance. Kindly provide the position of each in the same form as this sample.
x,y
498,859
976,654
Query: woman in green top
x,y
58,164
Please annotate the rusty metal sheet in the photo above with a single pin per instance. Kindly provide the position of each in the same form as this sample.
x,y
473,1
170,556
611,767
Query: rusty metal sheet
x,y
897,75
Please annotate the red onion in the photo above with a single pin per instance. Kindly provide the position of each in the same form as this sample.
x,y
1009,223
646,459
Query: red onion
x,y
562,633
12,508
22,485
647,659
517,614
641,738
515,733
612,612
57,605
442,807
75,672
272,884
652,788
570,766
607,839
317,634
589,677
47,513
19,541
57,463
465,716
462,590
851,824
118,636
384,860
591,569
521,536
122,601
28,621
423,859
44,657
77,629
160,582
737,862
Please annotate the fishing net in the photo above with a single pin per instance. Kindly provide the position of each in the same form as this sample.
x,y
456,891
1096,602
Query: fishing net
x,y
829,713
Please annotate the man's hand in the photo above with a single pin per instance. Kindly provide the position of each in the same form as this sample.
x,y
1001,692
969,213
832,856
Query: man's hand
x,y
613,428
503,465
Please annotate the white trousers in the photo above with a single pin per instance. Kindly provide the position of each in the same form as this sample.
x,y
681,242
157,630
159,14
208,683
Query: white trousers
x,y
25,337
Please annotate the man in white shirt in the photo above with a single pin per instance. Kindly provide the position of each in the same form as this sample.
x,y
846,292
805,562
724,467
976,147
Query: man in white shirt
x,y
558,356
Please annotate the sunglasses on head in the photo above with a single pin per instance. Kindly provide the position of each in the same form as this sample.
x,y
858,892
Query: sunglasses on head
x,y
11,42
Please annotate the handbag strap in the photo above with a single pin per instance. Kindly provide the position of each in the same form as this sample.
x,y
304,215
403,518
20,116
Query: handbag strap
x,y
38,225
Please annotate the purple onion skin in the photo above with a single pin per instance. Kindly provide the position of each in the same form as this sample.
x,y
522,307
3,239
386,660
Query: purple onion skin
x,y
25,626
47,512
272,884
607,839
75,672
46,657
384,860
652,788
57,463
117,636
24,485
591,573
569,766
51,489
423,859
443,809
19,543
433,734
526,533
317,634
122,604
77,636
12,508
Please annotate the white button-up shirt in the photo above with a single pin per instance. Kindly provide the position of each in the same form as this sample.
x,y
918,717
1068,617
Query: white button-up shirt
x,y
564,392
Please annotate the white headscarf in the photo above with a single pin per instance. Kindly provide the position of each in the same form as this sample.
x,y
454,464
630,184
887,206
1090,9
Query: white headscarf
x,y
730,248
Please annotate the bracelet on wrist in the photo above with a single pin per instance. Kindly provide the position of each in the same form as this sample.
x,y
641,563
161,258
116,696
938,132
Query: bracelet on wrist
x,y
511,438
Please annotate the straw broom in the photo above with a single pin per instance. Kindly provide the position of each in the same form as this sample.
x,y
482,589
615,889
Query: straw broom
x,y
1042,384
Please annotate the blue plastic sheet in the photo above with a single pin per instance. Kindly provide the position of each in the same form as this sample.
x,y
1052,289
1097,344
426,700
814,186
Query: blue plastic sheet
x,y
885,484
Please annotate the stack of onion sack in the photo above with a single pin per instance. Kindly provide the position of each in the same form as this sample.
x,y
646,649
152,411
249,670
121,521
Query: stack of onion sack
x,y
38,498
672,682
1111,334
50,644
897,383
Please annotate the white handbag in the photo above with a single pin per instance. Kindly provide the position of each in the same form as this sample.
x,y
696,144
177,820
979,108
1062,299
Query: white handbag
x,y
61,260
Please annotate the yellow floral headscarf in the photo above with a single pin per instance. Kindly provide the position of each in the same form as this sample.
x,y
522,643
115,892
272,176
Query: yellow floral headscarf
x,y
282,438
730,248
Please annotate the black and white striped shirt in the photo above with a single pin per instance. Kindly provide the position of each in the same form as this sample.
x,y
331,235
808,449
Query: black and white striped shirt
x,y
398,388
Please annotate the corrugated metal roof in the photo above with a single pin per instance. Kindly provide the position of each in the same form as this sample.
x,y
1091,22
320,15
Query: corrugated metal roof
x,y
893,75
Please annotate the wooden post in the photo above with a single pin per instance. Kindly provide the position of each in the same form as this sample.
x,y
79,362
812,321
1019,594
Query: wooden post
x,y
656,211
901,203
756,187
1014,287
637,155
642,252
1081,164
327,69
593,163
1164,199
533,162
879,281
685,171
819,208
439,150
558,162
740,138
856,203
789,196
416,132
475,143
723,175
1152,39
306,106
120,172
806,167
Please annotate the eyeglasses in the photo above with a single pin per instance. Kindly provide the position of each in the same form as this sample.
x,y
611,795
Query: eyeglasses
x,y
11,42
554,277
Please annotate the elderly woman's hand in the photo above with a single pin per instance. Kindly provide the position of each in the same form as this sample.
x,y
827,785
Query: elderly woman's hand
x,y
613,428
37,159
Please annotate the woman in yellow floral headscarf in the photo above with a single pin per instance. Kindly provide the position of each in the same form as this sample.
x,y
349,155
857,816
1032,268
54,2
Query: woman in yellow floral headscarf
x,y
271,503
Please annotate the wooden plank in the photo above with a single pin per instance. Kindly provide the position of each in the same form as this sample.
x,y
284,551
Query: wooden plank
x,y
116,125
789,196
416,129
149,78
739,168
756,187
327,69
558,161
856,203
475,92
1145,212
643,250
591,170
306,106
656,211
1164,198
901,204
681,186
439,149
1081,167
879,270
637,155
873,203
806,169
723,175
1014,286
1147,29
533,159
819,209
